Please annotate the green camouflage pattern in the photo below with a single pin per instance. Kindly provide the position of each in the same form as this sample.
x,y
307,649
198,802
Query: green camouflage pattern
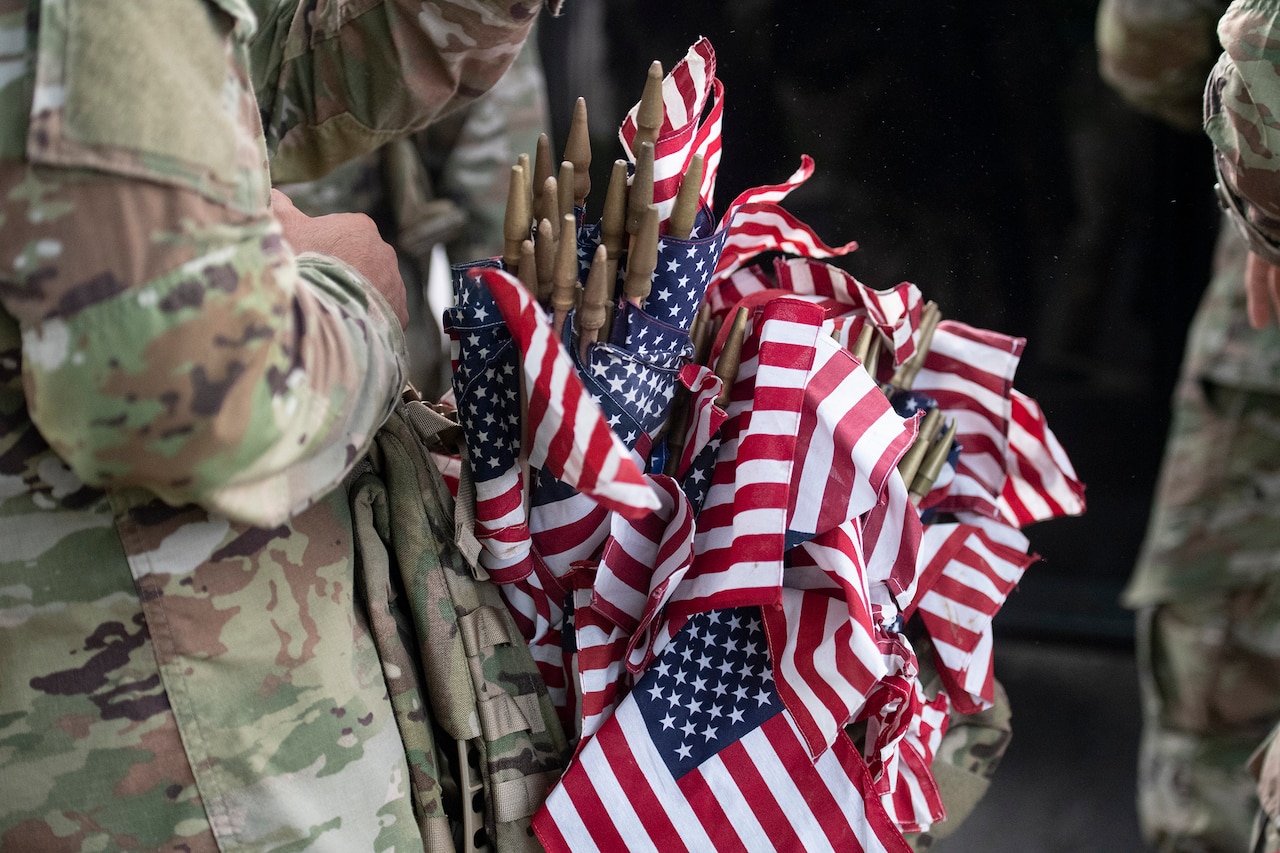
x,y
1208,578
459,671
469,154
183,664
214,681
1215,520
1157,53
445,185
1210,678
1239,106
1206,583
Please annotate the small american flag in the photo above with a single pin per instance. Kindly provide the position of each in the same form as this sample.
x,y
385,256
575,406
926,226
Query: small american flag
x,y
968,570
643,561
969,372
702,755
756,223
848,442
486,386
895,312
705,417
568,434
828,660
907,730
684,132
601,646
1042,483
742,522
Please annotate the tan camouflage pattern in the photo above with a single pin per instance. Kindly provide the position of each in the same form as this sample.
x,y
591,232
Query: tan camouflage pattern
x,y
1206,582
215,682
469,154
1208,577
459,671
421,61
191,671
1156,54
1215,521
1210,678
460,171
1239,107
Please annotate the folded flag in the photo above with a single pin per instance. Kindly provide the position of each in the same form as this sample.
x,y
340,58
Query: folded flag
x,y
702,755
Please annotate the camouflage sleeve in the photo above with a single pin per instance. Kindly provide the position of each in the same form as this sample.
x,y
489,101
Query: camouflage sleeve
x,y
340,78
1157,53
171,340
1241,104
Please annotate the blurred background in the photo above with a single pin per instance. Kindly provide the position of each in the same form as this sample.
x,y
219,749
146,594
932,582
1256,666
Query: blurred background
x,y
972,149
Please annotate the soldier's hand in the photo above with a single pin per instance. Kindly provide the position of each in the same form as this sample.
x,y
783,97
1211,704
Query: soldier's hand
x,y
1262,289
351,237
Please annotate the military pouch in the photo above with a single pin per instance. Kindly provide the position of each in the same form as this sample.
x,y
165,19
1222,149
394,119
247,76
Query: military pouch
x,y
481,736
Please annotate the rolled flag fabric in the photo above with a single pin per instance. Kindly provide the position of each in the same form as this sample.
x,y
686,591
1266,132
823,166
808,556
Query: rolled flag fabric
x,y
685,131
1042,482
969,372
486,387
569,436
968,571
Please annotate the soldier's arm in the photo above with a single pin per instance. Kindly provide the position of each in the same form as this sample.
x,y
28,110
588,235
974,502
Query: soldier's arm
x,y
1157,53
339,78
172,339
1241,105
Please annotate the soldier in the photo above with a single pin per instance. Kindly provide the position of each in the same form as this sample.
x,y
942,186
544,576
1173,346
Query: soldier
x,y
446,185
1241,99
188,368
1206,587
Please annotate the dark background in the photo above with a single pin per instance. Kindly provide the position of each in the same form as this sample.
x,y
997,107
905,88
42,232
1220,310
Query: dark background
x,y
971,149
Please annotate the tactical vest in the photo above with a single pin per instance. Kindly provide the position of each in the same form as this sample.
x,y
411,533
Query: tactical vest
x,y
482,739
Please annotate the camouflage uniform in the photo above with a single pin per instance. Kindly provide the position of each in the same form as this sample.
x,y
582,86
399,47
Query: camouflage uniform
x,y
1241,99
181,664
444,185
1206,587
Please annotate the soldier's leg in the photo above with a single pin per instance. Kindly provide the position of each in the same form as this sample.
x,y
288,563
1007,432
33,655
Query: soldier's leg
x,y
1211,688
1209,625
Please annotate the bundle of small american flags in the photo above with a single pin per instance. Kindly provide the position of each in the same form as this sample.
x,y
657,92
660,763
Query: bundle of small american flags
x,y
714,523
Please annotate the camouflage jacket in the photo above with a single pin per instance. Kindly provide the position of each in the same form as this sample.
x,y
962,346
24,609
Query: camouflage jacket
x,y
1158,55
181,663
1240,101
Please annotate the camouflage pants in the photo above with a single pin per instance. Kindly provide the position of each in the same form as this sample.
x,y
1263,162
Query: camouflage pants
x,y
1207,592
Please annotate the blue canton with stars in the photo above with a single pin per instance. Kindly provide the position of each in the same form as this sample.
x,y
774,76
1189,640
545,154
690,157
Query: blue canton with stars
x,y
634,382
633,372
486,381
697,480
712,686
680,278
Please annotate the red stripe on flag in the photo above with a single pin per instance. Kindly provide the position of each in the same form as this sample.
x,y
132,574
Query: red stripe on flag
x,y
757,791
